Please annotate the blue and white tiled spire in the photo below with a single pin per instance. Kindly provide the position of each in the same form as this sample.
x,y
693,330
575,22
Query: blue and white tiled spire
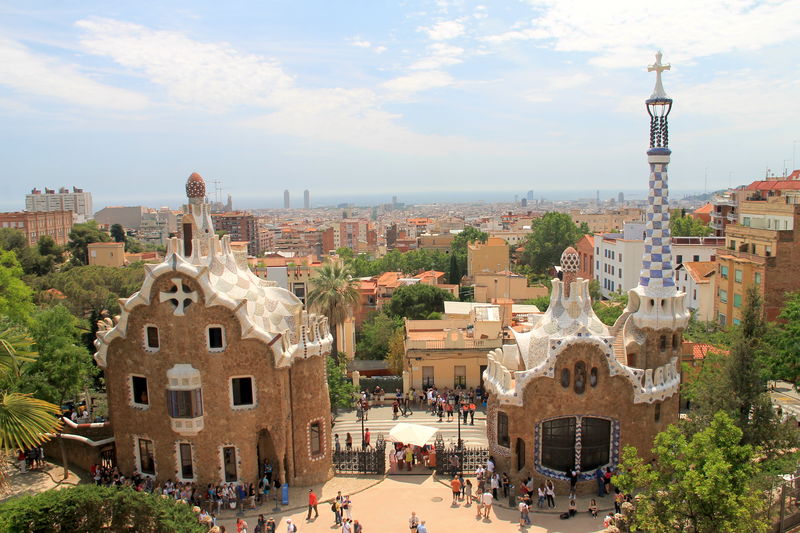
x,y
657,275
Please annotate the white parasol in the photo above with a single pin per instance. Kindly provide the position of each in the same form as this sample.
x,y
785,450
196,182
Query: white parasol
x,y
415,434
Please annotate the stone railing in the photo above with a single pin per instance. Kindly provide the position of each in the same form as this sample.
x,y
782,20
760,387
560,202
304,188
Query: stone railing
x,y
449,343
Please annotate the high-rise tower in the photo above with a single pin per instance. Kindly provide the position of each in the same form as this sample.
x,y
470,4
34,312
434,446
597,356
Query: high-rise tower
x,y
306,199
286,202
660,305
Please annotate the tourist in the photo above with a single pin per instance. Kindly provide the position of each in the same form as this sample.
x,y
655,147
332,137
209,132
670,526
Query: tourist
x,y
241,526
422,528
395,410
494,483
486,501
455,484
542,496
271,525
357,527
490,465
337,447
550,493
268,470
619,499
524,516
261,524
461,479
468,492
573,508
573,480
413,522
348,442
346,527
607,477
593,508
336,508
472,408
365,443
409,457
347,506
264,485
505,482
599,475
312,504
290,527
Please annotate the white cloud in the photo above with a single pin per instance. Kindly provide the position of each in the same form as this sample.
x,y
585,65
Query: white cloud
x,y
622,31
419,81
440,55
380,49
361,43
445,30
31,73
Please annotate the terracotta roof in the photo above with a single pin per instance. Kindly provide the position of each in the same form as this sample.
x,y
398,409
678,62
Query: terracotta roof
x,y
389,279
588,238
775,185
701,350
704,209
701,271
429,274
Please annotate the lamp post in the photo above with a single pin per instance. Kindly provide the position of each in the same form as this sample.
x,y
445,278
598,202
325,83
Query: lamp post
x,y
455,401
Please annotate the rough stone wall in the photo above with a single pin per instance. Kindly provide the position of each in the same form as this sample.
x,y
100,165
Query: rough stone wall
x,y
183,341
612,397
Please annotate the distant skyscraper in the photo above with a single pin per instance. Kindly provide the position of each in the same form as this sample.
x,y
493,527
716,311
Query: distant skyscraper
x,y
598,198
530,196
516,198
621,198
286,203
524,202
394,200
306,199
78,201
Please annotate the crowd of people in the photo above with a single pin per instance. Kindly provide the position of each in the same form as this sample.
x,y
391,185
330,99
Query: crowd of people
x,y
342,509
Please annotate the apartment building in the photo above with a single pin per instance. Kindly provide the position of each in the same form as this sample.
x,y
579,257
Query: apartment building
x,y
491,256
56,224
697,280
357,234
78,201
242,227
761,248
606,221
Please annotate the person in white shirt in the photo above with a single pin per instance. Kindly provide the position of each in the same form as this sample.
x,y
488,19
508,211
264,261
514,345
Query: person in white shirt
x,y
490,466
487,501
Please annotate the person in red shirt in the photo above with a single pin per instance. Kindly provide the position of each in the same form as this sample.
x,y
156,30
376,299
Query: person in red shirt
x,y
312,504
456,486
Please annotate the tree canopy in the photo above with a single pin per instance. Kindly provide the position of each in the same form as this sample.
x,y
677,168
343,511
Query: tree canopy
x,y
550,236
375,334
703,482
417,301
97,508
410,263
333,293
81,236
340,389
15,295
783,361
35,260
681,225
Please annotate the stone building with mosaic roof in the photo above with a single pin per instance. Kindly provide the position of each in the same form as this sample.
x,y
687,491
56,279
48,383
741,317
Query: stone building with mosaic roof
x,y
210,370
573,391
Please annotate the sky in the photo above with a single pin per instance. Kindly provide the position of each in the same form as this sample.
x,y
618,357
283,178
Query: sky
x,y
126,99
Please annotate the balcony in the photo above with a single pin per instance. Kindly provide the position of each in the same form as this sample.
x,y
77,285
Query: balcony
x,y
187,426
719,226
452,342
757,259
733,217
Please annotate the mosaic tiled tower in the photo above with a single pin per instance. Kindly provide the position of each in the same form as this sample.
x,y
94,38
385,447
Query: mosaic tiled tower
x,y
661,304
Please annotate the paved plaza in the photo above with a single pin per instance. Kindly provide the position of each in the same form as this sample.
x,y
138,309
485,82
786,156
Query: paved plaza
x,y
385,507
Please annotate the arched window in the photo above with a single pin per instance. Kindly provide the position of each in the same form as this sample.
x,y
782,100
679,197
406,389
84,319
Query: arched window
x,y
662,343
502,430
558,444
520,454
676,341
657,415
580,377
565,377
560,440
593,376
595,442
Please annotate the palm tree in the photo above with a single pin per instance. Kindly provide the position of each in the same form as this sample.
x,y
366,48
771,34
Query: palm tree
x,y
25,421
333,293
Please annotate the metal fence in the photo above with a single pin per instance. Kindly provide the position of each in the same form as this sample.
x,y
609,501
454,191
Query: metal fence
x,y
454,459
369,461
788,505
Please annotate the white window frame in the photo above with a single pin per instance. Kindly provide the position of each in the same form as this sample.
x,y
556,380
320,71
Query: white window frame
x,y
222,462
138,457
147,346
208,338
246,405
133,402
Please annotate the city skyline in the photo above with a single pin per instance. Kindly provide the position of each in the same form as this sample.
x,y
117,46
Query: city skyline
x,y
388,100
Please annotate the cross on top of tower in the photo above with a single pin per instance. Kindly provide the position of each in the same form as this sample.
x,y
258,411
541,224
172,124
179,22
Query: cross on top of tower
x,y
658,67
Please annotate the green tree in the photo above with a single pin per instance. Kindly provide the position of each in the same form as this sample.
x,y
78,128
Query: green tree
x,y
81,236
340,389
681,225
784,360
454,274
12,239
375,334
541,302
417,301
609,311
705,482
594,291
333,294
397,352
118,233
15,295
96,508
549,237
93,289
25,421
736,384
64,366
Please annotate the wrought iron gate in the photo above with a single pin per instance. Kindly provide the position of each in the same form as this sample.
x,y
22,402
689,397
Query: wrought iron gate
x,y
452,460
369,461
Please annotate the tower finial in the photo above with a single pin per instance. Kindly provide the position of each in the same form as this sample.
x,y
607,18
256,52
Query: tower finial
x,y
658,92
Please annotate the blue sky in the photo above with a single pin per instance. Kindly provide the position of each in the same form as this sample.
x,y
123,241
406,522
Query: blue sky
x,y
368,97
